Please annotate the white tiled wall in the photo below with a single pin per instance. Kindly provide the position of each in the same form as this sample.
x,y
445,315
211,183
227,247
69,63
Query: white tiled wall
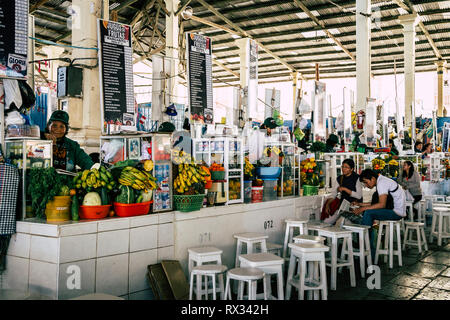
x,y
112,275
75,248
44,249
166,253
112,242
43,278
165,235
143,238
68,273
113,224
16,274
138,269
19,245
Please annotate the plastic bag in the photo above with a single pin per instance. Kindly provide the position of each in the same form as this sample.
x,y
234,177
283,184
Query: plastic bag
x,y
14,117
12,93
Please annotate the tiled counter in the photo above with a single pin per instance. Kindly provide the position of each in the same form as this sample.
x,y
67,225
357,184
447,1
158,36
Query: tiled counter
x,y
112,255
216,226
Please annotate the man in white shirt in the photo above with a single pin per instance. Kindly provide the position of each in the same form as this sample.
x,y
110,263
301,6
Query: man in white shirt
x,y
390,204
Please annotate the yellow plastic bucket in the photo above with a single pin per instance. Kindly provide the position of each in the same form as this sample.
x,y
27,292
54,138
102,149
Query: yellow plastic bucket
x,y
58,209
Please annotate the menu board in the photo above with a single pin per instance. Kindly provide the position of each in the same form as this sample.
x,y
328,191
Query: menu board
x,y
116,74
13,38
199,63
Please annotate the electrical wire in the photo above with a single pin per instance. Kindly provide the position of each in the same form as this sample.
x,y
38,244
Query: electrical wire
x,y
51,43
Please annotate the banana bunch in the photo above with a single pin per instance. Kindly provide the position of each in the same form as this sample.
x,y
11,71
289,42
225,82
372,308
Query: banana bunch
x,y
189,175
137,179
248,168
93,179
180,157
378,164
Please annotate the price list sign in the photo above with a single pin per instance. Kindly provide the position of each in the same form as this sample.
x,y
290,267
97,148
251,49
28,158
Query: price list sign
x,y
116,74
13,38
200,77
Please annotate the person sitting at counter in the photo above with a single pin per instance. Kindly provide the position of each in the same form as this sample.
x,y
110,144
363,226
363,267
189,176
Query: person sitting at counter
x,y
410,179
348,188
388,201
418,146
394,150
67,153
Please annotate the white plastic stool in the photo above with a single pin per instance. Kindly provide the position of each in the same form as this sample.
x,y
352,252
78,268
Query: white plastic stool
x,y
389,226
439,198
274,248
419,227
314,254
270,264
201,255
334,263
409,209
207,270
291,224
440,224
245,275
364,246
251,239
422,211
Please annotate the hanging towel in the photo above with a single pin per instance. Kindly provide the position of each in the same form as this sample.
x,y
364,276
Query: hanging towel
x,y
9,185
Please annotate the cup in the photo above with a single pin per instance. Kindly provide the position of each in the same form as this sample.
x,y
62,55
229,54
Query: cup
x,y
211,198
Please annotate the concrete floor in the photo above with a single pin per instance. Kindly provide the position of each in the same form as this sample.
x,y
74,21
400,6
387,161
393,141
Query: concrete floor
x,y
423,276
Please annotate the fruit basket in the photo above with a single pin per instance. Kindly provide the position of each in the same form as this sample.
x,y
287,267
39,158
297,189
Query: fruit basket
x,y
188,203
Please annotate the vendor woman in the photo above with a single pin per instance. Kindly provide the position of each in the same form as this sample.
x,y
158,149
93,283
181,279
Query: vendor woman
x,y
349,188
67,153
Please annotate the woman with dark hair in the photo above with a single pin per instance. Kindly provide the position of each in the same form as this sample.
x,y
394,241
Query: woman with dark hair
x,y
67,153
348,188
409,179
418,146
427,149
394,150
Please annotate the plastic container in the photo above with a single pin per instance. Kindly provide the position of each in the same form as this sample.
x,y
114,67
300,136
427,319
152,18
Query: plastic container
x,y
208,184
310,190
94,212
188,203
57,215
268,172
23,130
59,201
270,189
217,175
247,191
257,194
132,209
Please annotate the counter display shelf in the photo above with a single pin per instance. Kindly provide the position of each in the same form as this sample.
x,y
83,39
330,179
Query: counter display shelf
x,y
229,153
25,154
434,167
152,146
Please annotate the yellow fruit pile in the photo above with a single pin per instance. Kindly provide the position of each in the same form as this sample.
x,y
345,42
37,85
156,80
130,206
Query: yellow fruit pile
x,y
248,168
378,164
235,189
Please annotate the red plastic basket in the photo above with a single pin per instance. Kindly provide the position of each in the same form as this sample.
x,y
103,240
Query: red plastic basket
x,y
132,209
94,212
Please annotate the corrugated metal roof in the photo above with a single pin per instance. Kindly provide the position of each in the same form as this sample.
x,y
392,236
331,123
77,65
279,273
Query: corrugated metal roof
x,y
287,31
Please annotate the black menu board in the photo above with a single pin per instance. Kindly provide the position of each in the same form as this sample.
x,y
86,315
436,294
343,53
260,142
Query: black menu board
x,y
13,38
116,73
200,77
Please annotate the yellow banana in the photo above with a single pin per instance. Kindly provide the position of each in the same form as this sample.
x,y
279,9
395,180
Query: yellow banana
x,y
124,182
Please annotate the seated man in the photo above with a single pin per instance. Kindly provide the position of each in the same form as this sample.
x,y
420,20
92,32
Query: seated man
x,y
388,202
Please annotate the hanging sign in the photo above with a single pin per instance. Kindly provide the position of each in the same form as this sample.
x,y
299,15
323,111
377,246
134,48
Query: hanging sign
x,y
320,111
13,38
199,75
116,76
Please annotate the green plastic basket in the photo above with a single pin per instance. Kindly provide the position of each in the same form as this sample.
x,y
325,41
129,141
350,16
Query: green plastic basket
x,y
310,190
188,203
217,175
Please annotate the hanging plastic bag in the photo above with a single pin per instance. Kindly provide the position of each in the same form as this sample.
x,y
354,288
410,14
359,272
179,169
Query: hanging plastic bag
x,y
12,93
27,93
14,117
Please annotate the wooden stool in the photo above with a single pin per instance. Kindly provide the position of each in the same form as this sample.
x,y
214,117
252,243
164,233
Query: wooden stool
x,y
389,225
201,255
441,217
251,239
245,275
314,254
270,264
274,248
207,270
291,224
335,234
364,246
419,227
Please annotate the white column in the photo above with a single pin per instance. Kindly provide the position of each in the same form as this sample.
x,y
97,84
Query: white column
x,y
31,51
441,64
244,69
409,23
172,33
363,25
85,120
53,52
